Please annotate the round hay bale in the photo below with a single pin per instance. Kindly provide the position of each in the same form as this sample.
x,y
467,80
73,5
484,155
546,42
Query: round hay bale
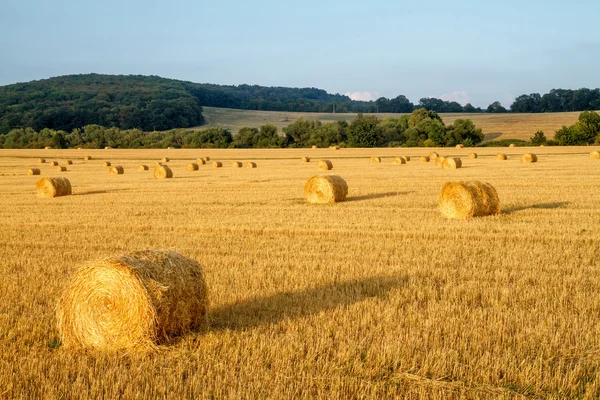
x,y
33,171
107,148
336,147
165,159
41,160
217,164
106,164
511,145
134,301
324,189
61,169
407,158
250,164
439,160
162,172
68,162
424,158
375,159
306,159
464,200
200,161
47,148
325,164
158,164
595,155
142,167
459,146
87,158
314,147
473,155
169,148
501,156
192,167
433,155
53,163
452,163
399,161
206,159
528,158
237,164
53,187
117,170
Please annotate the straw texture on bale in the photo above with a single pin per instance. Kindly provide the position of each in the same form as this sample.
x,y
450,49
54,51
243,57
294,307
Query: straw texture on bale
x,y
433,155
201,161
250,164
325,164
206,159
165,159
106,164
424,158
116,170
305,159
375,159
61,169
464,200
53,163
439,160
162,172
53,187
399,160
501,156
68,162
325,189
142,167
528,158
459,146
595,155
87,158
512,145
452,163
133,302
473,155
33,171
41,160
237,164
192,167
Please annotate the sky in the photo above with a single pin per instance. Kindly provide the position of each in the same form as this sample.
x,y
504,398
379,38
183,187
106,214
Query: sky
x,y
466,51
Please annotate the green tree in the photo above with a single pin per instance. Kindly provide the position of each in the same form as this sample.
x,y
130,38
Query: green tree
x,y
539,138
589,126
496,107
364,131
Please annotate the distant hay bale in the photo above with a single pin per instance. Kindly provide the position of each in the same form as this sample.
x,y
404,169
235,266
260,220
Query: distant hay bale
x,y
106,164
452,163
407,158
53,163
528,158
87,158
33,171
158,164
165,159
314,147
459,146
324,189
464,200
117,170
169,148
250,164
399,160
61,169
47,148
68,162
142,167
325,164
335,147
473,155
206,159
237,164
53,187
433,155
306,159
107,148
439,160
41,160
375,159
162,172
595,155
501,156
200,161
192,167
424,158
511,145
133,302
217,164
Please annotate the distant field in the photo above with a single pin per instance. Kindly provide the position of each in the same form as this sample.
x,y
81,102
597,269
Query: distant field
x,y
495,126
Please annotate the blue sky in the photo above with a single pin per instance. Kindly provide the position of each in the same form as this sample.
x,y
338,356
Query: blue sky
x,y
474,51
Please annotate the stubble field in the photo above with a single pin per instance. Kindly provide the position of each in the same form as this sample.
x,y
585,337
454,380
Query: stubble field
x,y
375,297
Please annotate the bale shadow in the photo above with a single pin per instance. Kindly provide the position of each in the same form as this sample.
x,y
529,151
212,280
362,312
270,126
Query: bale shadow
x,y
260,311
375,196
541,206
98,192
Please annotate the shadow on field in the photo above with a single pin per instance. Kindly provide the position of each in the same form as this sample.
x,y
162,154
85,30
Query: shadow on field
x,y
375,196
266,310
97,192
539,206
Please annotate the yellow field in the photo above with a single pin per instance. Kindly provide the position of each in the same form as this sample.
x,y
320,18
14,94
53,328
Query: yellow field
x,y
494,126
376,297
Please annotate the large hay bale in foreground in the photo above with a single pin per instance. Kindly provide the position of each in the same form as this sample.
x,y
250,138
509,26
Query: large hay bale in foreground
x,y
237,164
106,164
452,163
473,155
41,160
399,160
250,164
116,170
192,167
324,189
134,302
165,159
53,163
306,159
464,200
528,158
53,187
325,164
33,171
439,160
595,155
142,167
162,172
375,159
61,169
501,156
200,161
424,158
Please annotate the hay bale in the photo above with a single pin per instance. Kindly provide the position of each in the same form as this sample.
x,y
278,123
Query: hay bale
x,y
237,164
314,147
324,189
337,147
452,163
162,172
250,164
501,156
407,158
117,170
107,148
41,160
165,159
511,145
47,148
142,167
217,164
134,301
464,200
61,169
439,160
375,159
595,155
106,164
306,159
528,158
399,160
200,161
33,171
53,163
53,187
424,158
206,159
68,162
87,158
192,167
473,155
433,155
459,146
325,164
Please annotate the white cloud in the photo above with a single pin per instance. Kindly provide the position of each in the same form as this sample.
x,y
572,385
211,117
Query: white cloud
x,y
460,96
361,96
